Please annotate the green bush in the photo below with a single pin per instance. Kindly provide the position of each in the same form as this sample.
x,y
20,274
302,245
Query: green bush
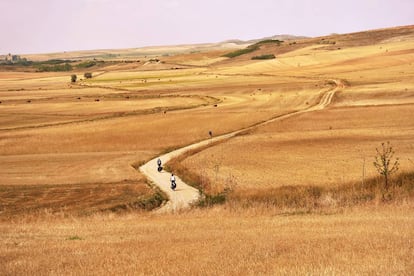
x,y
51,65
240,52
24,62
54,68
210,200
54,61
74,238
323,41
86,64
267,41
270,56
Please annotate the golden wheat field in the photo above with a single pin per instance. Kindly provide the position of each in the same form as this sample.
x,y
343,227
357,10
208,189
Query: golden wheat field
x,y
298,195
214,241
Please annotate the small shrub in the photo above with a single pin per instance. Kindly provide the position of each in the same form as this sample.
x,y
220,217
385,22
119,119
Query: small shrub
x,y
74,238
87,75
86,64
268,41
73,78
147,203
210,200
152,202
384,162
323,41
270,56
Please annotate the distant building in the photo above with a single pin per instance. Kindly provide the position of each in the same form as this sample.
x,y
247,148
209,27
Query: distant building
x,y
9,58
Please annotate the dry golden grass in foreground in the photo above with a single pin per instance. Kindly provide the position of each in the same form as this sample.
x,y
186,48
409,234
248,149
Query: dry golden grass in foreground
x,y
367,240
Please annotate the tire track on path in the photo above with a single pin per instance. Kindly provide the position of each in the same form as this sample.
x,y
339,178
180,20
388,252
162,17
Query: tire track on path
x,y
185,195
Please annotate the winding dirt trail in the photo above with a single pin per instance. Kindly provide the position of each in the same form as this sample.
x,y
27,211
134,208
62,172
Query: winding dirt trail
x,y
185,195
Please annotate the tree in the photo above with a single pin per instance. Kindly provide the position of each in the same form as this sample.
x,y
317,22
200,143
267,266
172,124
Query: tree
x,y
73,78
384,162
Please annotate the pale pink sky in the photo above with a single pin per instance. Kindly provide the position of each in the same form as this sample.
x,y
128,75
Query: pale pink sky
x,y
36,26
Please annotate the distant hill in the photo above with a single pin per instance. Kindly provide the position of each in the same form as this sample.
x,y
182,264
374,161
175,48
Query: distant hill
x,y
341,40
154,51
284,37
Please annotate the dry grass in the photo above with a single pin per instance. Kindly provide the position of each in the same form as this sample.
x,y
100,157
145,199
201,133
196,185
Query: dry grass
x,y
369,240
316,199
323,148
76,199
220,189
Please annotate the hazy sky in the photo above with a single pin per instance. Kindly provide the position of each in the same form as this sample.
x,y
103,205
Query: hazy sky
x,y
36,26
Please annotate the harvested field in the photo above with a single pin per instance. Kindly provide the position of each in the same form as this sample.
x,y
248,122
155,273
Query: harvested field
x,y
323,148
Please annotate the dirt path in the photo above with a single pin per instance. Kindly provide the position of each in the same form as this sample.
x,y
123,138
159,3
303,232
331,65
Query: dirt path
x,y
185,195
